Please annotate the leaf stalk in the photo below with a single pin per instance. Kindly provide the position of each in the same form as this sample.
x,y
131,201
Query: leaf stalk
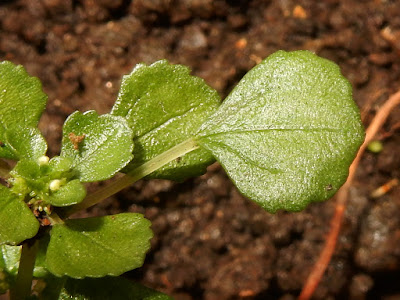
x,y
142,171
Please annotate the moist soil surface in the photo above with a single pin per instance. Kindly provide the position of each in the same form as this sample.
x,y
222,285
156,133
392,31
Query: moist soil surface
x,y
210,242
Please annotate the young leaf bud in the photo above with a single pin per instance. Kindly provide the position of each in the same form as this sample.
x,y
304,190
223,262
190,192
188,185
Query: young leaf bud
x,y
55,185
43,160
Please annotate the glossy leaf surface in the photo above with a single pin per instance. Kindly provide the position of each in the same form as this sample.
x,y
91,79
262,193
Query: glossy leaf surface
x,y
23,143
97,247
165,106
288,132
17,222
98,145
22,102
72,192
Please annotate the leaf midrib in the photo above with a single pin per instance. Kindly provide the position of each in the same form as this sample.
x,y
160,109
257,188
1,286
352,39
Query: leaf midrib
x,y
270,129
87,236
166,122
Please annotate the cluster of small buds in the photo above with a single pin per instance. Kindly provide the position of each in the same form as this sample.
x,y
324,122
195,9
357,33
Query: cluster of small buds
x,y
55,184
37,206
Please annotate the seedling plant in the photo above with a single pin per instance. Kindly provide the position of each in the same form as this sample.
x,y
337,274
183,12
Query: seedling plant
x,y
285,135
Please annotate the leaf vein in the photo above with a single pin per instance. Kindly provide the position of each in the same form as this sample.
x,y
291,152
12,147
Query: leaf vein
x,y
250,161
165,123
102,245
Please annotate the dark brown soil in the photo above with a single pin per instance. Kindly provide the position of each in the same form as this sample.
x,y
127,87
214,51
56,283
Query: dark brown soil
x,y
210,242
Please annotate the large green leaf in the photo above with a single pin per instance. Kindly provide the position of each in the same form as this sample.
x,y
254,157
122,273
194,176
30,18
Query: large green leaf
x,y
115,288
99,145
288,132
165,106
97,247
17,222
22,102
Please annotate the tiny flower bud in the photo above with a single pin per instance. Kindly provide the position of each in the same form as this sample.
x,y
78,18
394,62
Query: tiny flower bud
x,y
55,185
47,209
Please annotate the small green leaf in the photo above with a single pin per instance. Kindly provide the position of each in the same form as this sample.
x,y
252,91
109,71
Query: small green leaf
x,y
165,106
9,262
61,167
27,169
288,132
22,102
22,143
27,177
97,247
71,193
17,222
115,288
9,258
99,146
21,97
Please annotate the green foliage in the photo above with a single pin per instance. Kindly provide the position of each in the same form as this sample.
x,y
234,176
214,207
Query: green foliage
x,y
17,223
286,135
165,106
104,144
72,192
297,111
9,261
22,102
22,143
47,183
96,247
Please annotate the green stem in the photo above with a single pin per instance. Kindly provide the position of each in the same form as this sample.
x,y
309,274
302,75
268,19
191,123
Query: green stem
x,y
138,173
55,218
23,283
